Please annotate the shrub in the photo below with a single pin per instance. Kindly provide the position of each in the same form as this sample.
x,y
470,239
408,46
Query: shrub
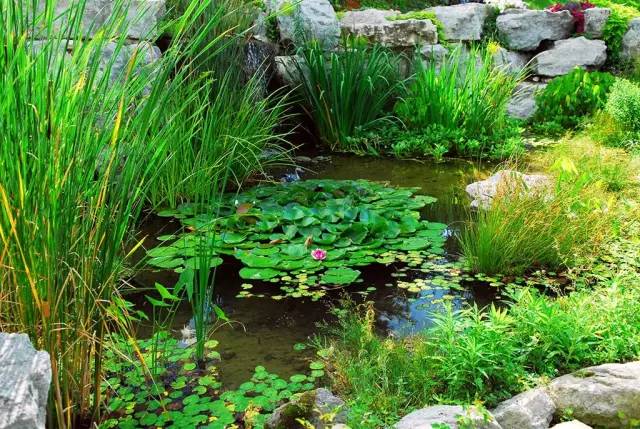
x,y
567,99
547,228
466,95
346,92
624,105
475,354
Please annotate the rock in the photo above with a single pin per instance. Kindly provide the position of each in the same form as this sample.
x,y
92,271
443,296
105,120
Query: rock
x,y
523,30
573,424
595,19
287,70
606,396
374,25
434,54
510,61
565,55
118,59
302,20
25,376
311,406
449,415
631,40
462,21
532,409
523,102
142,17
505,182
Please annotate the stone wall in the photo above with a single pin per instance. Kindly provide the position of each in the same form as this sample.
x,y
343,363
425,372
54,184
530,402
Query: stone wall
x,y
542,41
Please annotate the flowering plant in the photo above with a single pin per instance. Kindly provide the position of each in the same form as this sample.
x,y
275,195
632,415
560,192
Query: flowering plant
x,y
577,11
319,254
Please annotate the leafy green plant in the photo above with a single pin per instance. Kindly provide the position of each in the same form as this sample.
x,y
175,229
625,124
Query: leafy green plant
x,y
476,354
184,393
465,93
624,104
423,14
275,232
346,92
567,99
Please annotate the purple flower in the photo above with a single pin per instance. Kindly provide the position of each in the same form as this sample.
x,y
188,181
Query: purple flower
x,y
318,254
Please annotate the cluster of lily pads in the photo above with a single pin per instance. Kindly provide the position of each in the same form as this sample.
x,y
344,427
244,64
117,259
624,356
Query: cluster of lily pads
x,y
307,236
158,384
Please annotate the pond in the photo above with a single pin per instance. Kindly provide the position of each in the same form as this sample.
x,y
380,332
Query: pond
x,y
264,331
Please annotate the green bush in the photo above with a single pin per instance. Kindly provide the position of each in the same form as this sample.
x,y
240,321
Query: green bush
x,y
568,99
475,354
346,92
624,104
465,95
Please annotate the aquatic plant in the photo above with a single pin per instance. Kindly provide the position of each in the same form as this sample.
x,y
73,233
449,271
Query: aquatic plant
x,y
465,94
272,230
80,142
185,393
346,92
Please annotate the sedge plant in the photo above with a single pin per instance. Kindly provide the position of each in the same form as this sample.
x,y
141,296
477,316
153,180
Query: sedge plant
x,y
80,142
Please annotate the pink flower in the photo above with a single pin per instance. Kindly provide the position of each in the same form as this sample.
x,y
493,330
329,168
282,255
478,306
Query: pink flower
x,y
318,254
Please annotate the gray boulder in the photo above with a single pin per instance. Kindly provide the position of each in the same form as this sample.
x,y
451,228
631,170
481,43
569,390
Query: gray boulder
x,y
115,60
511,61
506,182
462,21
573,424
631,40
311,406
287,69
302,20
595,19
451,415
142,16
25,376
569,54
524,30
606,396
532,409
436,54
374,25
523,102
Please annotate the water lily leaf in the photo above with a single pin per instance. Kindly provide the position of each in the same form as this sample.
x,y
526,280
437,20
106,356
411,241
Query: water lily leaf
x,y
166,262
196,262
295,251
340,276
256,261
414,243
233,237
293,212
162,252
356,233
259,273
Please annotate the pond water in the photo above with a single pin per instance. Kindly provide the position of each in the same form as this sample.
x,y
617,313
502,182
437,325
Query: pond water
x,y
264,331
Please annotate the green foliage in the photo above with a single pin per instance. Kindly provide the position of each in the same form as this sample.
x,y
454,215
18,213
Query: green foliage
x,y
272,230
231,126
401,5
183,393
547,227
347,91
568,99
624,105
466,94
422,14
475,354
80,142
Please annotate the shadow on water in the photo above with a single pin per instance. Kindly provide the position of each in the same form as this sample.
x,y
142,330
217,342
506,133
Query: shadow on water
x,y
265,331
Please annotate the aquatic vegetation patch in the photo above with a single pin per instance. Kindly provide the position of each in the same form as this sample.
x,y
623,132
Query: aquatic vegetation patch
x,y
171,390
307,236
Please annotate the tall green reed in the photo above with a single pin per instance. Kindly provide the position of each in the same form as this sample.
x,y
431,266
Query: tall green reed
x,y
79,145
466,92
346,92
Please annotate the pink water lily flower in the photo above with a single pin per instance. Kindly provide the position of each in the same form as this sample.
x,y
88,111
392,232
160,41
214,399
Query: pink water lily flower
x,y
318,254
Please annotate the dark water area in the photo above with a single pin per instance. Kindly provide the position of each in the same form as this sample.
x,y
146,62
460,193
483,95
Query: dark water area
x,y
264,331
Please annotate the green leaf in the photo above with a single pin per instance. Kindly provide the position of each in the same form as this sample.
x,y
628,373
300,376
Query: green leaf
x,y
340,276
258,273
